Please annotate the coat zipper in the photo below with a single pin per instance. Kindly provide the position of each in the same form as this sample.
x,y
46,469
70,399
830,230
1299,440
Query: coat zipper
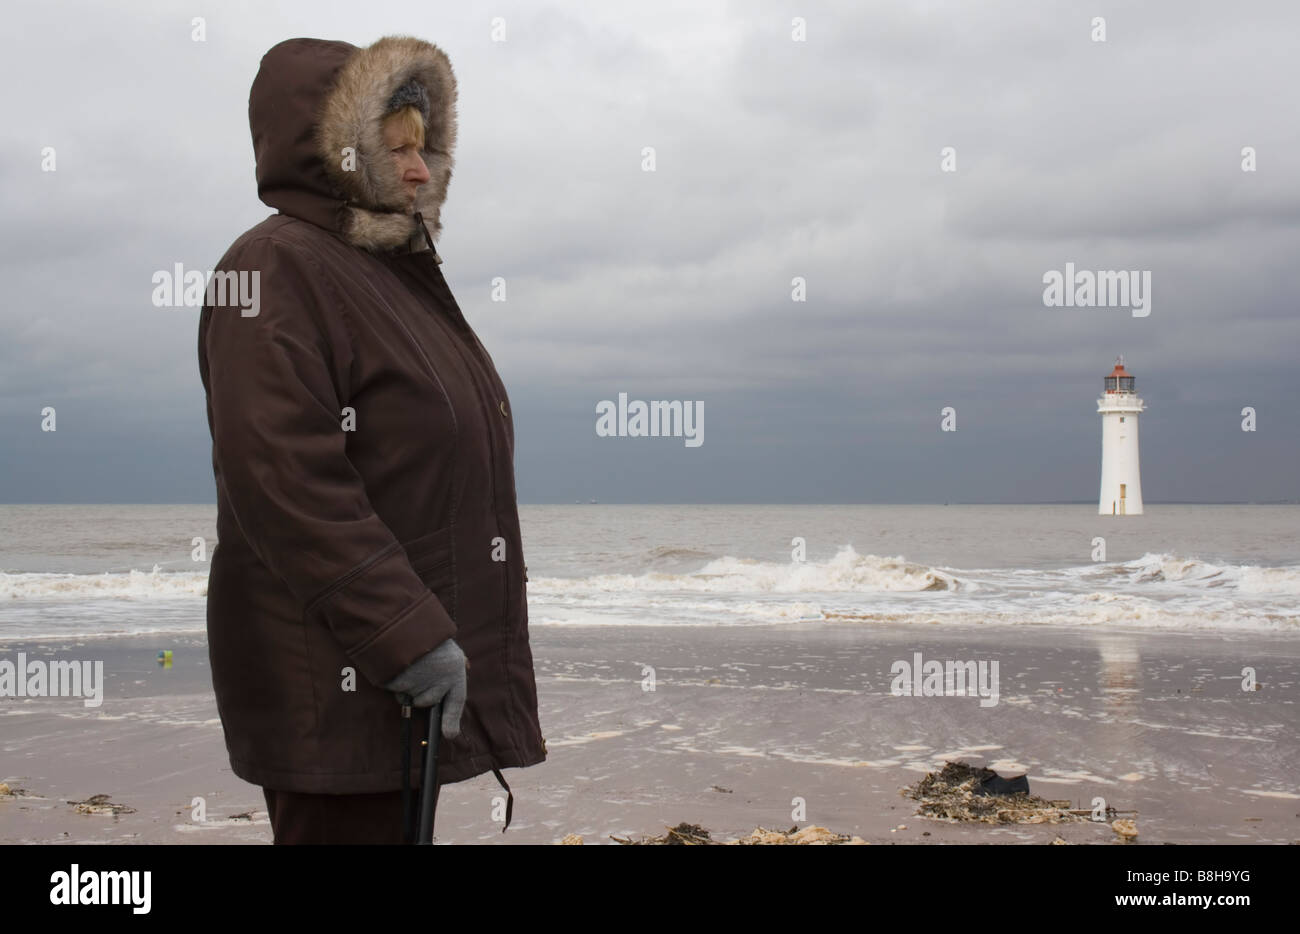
x,y
483,376
484,389
478,374
455,422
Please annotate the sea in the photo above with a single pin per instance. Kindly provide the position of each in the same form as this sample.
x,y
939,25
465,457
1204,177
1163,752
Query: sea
x,y
77,571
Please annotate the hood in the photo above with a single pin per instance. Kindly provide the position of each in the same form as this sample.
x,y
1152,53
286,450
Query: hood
x,y
315,102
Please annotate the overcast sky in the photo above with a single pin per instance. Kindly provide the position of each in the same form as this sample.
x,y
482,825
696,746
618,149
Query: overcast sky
x,y
775,159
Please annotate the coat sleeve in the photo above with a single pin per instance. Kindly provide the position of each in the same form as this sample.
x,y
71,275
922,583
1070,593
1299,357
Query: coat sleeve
x,y
279,454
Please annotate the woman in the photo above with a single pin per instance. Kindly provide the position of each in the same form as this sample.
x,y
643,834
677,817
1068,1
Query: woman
x,y
363,452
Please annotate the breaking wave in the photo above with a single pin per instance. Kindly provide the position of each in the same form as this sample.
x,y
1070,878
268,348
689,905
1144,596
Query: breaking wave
x,y
128,584
1155,591
1193,573
848,571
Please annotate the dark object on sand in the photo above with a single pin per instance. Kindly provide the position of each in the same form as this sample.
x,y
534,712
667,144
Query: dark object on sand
x,y
995,784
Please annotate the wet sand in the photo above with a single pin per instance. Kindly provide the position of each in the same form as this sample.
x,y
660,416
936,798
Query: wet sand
x,y
741,722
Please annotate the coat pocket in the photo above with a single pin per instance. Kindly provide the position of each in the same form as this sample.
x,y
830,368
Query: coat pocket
x,y
432,557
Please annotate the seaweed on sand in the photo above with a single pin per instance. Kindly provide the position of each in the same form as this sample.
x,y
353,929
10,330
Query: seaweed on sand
x,y
949,794
685,834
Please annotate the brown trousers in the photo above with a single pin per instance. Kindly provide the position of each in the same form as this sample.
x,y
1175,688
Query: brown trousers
x,y
298,818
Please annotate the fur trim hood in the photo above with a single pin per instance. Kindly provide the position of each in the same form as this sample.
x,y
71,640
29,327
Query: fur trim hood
x,y
316,110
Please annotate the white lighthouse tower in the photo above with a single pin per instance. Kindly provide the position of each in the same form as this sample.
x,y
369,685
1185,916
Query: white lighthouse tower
x,y
1121,479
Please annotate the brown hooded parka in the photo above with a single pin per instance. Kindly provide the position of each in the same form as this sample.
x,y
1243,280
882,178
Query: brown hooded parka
x,y
363,449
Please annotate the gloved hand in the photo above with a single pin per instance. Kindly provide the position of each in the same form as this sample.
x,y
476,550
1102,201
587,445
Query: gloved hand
x,y
438,675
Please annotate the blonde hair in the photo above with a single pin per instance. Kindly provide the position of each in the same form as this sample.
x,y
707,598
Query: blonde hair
x,y
410,122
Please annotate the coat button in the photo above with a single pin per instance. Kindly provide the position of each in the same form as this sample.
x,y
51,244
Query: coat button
x,y
503,408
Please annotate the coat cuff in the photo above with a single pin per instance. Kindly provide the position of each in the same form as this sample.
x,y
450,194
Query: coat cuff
x,y
383,654
411,636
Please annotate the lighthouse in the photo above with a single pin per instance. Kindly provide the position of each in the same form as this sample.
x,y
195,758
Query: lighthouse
x,y
1121,479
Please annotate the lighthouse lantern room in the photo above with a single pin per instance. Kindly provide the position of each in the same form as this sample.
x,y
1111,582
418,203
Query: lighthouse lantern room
x,y
1121,480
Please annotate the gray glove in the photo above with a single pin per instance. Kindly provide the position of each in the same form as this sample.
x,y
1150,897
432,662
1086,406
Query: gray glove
x,y
438,675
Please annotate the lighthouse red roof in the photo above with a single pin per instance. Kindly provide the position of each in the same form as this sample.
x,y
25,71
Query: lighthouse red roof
x,y
1120,371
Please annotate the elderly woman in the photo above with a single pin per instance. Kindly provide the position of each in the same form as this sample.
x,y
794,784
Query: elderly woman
x,y
363,450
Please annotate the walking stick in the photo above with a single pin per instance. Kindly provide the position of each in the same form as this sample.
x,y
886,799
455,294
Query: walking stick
x,y
407,827
429,780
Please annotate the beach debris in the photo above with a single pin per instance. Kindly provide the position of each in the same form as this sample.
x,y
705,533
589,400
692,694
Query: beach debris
x,y
953,794
1059,840
572,839
683,834
808,836
1127,829
99,804
165,658
721,789
5,791
760,836
695,835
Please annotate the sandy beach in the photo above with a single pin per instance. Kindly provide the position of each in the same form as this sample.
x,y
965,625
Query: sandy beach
x,y
738,726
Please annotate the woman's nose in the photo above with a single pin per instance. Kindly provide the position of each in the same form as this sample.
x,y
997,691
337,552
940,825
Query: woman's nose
x,y
417,171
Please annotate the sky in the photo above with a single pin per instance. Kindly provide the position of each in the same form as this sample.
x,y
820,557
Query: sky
x,y
801,151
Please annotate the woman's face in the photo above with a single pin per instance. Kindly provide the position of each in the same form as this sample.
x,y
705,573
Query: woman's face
x,y
405,153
